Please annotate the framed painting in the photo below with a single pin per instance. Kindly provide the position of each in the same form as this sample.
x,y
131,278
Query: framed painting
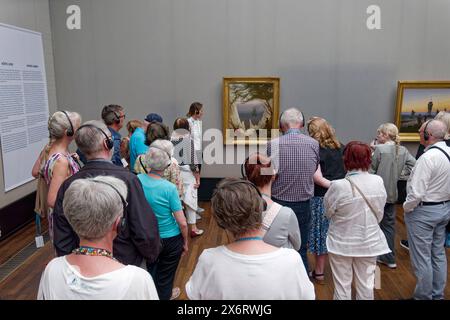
x,y
417,102
250,109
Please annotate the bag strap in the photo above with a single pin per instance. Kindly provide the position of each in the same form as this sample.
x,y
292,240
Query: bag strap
x,y
364,197
142,164
436,147
271,214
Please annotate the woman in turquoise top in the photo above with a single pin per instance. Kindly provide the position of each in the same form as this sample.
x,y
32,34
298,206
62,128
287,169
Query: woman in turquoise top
x,y
162,196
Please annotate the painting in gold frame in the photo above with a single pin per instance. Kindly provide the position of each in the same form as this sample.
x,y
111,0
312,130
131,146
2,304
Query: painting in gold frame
x,y
417,102
250,109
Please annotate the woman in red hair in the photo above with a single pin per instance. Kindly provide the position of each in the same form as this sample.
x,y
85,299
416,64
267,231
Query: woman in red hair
x,y
355,207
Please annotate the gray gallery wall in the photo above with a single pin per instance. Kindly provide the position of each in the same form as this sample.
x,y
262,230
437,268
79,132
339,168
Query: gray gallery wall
x,y
33,15
160,55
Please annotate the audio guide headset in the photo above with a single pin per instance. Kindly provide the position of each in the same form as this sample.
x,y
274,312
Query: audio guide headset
x,y
109,141
122,222
70,132
426,134
246,182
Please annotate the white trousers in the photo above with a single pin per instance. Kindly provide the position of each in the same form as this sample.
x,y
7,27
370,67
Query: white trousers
x,y
343,269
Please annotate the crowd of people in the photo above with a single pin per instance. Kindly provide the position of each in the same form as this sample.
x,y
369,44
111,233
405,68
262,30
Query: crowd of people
x,y
121,205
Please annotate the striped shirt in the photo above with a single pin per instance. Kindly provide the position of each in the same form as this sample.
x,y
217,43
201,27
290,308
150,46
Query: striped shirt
x,y
295,156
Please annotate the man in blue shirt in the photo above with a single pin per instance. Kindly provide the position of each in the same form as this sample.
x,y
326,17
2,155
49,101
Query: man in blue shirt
x,y
137,144
114,117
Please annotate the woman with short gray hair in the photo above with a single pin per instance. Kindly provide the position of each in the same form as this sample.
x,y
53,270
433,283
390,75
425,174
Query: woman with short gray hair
x,y
172,173
165,202
94,208
247,268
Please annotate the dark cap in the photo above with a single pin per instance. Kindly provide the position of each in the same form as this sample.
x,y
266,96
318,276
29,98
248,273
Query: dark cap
x,y
153,117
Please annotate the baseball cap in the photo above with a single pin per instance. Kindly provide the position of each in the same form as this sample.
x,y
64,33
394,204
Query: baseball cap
x,y
153,117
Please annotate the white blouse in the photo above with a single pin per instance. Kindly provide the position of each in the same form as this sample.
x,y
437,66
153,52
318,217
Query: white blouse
x,y
354,229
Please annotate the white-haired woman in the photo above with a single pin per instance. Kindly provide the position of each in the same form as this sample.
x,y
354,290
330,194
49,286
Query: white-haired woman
x,y
392,162
94,208
172,173
173,231
55,163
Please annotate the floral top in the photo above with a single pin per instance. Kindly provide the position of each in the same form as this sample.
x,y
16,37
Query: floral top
x,y
48,167
171,174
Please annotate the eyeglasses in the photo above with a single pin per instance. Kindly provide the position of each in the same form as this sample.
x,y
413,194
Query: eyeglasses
x,y
122,116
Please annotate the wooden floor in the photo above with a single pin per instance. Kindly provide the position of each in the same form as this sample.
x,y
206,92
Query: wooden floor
x,y
24,281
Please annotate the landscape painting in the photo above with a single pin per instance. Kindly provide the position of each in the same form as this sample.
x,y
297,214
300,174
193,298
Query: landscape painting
x,y
250,109
418,102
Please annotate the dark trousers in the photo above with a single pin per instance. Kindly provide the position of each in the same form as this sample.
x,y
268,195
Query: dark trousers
x,y
387,225
164,268
302,211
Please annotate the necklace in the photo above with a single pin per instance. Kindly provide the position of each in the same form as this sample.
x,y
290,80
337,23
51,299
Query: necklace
x,y
90,251
156,174
249,238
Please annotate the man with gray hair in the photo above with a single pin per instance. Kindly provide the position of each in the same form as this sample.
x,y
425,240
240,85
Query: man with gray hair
x,y
296,158
427,212
140,236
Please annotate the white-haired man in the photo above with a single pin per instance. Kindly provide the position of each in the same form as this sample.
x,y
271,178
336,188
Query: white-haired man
x,y
427,212
295,156
139,238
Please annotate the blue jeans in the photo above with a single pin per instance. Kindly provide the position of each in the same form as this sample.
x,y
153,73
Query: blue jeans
x,y
302,211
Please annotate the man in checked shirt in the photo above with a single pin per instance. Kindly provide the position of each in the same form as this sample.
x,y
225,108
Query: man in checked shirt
x,y
295,156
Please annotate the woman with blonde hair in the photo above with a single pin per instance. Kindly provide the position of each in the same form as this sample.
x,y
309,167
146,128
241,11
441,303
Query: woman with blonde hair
x,y
55,163
392,162
331,167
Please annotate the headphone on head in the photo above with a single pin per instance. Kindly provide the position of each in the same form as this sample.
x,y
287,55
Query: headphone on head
x,y
249,183
109,141
117,119
426,135
122,222
109,109
70,132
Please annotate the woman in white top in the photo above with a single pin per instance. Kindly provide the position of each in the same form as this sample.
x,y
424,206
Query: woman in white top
x,y
279,222
355,208
94,208
195,116
247,268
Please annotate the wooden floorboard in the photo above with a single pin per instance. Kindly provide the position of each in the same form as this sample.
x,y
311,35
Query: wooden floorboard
x,y
23,283
23,237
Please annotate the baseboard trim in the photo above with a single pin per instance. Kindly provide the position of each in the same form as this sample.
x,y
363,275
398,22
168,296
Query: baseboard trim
x,y
16,215
207,186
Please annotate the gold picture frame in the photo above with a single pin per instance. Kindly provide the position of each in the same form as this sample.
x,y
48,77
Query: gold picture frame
x,y
251,106
417,102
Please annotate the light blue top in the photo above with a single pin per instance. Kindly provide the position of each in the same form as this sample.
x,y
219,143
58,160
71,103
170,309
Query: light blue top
x,y
137,146
162,196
